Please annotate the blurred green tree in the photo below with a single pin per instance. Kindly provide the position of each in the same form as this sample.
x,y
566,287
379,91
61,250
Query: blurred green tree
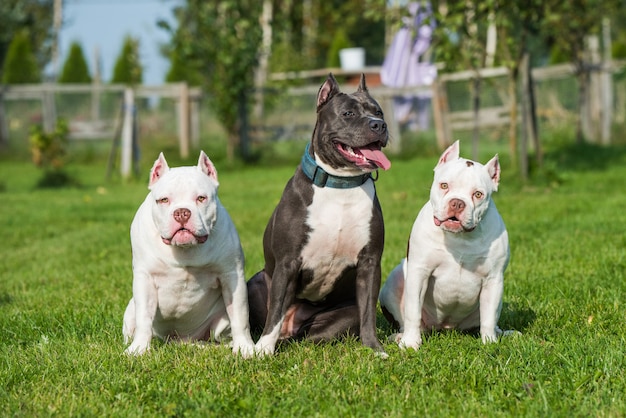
x,y
128,69
20,65
180,70
75,69
35,18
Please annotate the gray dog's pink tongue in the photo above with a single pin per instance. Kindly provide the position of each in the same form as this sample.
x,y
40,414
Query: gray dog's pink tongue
x,y
377,157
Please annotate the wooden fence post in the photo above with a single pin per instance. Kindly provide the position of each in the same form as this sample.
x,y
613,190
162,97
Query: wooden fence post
x,y
95,100
594,89
195,123
393,127
49,108
127,132
440,114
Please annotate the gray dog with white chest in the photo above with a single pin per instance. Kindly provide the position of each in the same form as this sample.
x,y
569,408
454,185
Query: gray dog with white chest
x,y
458,251
324,241
188,265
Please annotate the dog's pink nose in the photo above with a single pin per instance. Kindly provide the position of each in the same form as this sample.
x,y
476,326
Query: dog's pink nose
x,y
182,215
457,205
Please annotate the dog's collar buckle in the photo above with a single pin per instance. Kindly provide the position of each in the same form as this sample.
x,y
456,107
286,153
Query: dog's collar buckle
x,y
321,178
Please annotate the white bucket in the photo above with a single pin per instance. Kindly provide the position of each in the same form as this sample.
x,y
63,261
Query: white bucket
x,y
352,58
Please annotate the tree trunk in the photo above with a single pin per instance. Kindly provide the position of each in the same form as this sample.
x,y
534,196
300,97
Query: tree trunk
x,y
513,116
534,128
530,128
309,28
260,74
244,140
583,104
230,146
523,146
607,83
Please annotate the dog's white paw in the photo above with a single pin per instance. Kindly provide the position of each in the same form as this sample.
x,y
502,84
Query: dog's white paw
x,y
407,342
245,350
136,349
263,349
494,338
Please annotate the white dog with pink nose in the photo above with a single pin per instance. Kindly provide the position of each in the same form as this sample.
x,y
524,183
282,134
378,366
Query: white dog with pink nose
x,y
452,277
188,265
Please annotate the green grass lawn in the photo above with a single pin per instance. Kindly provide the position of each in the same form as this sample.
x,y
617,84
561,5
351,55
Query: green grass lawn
x,y
65,279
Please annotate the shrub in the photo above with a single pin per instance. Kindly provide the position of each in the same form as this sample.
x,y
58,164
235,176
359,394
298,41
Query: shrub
x,y
48,151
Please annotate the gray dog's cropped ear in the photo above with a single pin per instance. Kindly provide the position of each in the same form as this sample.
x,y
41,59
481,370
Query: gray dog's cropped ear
x,y
362,86
327,91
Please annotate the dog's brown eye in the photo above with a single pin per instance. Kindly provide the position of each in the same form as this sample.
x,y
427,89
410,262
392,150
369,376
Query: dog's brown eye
x,y
379,113
163,200
478,195
201,199
443,186
348,113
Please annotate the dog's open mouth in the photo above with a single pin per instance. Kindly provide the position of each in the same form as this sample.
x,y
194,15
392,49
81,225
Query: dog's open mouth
x,y
369,156
452,224
184,237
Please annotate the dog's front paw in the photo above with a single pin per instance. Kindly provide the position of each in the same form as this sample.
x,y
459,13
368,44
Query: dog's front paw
x,y
493,336
407,341
264,348
244,349
136,349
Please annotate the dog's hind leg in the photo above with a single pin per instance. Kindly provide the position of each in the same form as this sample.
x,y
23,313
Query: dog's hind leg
x,y
258,297
392,297
330,324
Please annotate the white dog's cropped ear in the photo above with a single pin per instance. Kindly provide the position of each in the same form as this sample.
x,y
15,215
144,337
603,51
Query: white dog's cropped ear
x,y
452,153
328,90
206,166
493,169
159,168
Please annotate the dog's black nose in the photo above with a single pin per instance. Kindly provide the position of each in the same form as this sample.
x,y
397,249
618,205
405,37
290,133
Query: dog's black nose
x,y
378,126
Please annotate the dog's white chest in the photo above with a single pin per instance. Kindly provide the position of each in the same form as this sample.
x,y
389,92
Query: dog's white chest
x,y
339,220
184,292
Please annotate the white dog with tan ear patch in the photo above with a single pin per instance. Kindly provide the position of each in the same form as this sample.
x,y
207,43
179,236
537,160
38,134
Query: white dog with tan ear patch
x,y
458,251
188,265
